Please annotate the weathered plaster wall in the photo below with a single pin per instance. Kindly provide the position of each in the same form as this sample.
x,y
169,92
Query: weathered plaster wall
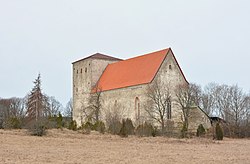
x,y
85,75
169,75
125,98
198,117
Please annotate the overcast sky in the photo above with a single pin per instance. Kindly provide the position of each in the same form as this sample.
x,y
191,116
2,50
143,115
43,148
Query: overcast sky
x,y
210,39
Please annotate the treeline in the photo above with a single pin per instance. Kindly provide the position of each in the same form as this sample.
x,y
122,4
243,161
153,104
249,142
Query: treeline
x,y
34,107
37,109
228,102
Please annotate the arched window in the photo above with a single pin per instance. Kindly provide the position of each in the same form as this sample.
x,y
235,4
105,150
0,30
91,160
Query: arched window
x,y
137,108
169,110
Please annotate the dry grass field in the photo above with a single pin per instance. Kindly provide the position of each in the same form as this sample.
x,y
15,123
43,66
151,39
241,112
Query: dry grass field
x,y
64,146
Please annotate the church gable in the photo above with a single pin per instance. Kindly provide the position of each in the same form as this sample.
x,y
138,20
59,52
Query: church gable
x,y
137,71
170,71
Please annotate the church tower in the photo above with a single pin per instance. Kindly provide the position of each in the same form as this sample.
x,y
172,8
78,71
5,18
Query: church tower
x,y
86,73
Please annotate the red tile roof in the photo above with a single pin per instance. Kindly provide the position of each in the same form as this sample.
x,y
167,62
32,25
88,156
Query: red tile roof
x,y
131,72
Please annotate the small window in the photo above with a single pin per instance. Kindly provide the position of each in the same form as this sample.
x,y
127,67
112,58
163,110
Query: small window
x,y
137,108
81,70
76,71
170,66
85,70
115,105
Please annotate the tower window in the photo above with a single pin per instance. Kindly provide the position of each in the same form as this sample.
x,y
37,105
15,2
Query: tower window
x,y
85,70
76,71
170,66
81,70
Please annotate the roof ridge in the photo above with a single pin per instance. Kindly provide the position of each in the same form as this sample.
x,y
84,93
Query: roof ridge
x,y
98,55
136,57
147,54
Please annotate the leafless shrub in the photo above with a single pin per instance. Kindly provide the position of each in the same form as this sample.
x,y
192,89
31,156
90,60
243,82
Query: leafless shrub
x,y
38,127
113,118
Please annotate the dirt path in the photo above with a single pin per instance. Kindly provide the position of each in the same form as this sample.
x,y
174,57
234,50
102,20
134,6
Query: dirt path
x,y
72,147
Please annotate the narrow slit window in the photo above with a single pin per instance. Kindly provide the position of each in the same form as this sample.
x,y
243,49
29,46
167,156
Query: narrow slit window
x,y
137,108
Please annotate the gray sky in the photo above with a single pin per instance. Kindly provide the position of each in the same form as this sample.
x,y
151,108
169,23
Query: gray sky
x,y
210,39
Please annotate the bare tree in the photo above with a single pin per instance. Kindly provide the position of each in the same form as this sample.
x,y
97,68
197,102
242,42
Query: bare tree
x,y
247,119
5,106
93,110
5,111
53,105
115,112
230,103
113,117
239,106
208,98
223,101
17,107
159,103
69,108
2,110
11,108
196,91
186,98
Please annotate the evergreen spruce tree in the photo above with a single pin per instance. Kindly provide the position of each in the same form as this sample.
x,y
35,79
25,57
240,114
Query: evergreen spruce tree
x,y
218,132
59,120
35,103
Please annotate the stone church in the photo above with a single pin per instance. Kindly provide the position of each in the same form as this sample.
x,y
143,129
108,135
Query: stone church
x,y
124,84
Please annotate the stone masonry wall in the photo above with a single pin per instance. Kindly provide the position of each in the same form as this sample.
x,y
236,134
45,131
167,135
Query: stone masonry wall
x,y
125,100
197,117
85,75
126,97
